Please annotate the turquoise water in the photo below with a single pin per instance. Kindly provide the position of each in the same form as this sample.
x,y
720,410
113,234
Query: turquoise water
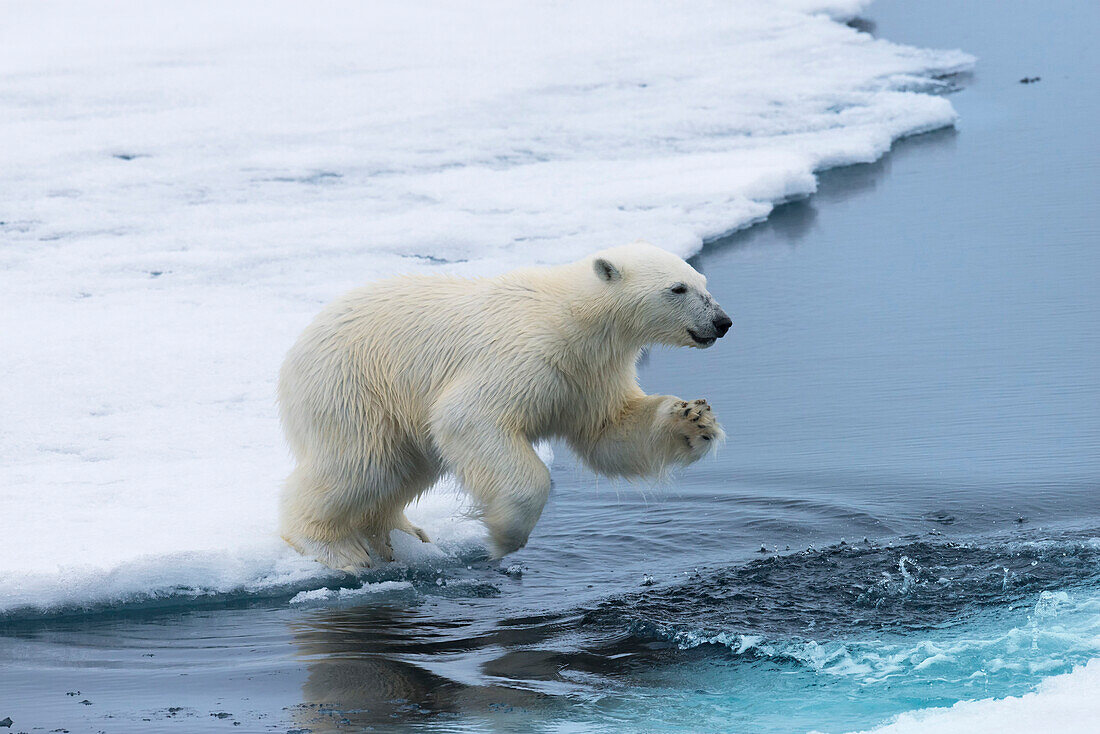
x,y
914,636
905,515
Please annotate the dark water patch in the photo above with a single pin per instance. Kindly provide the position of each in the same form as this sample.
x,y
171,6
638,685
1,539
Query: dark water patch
x,y
847,589
863,25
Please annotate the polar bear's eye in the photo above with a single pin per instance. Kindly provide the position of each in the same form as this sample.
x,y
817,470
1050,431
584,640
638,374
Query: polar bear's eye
x,y
679,289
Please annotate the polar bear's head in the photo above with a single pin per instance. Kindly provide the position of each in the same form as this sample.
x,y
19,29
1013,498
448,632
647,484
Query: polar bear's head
x,y
658,297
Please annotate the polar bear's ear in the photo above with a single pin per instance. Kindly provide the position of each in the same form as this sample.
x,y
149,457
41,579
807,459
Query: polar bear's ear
x,y
605,270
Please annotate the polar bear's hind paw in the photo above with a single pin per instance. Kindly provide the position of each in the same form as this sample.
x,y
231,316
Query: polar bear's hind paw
x,y
350,554
405,526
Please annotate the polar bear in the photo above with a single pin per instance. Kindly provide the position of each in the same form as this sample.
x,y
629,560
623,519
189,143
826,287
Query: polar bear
x,y
400,381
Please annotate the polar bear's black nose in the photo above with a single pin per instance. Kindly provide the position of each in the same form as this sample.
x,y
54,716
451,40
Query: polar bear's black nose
x,y
722,323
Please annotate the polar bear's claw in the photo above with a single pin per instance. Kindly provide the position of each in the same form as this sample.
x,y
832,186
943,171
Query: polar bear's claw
x,y
694,423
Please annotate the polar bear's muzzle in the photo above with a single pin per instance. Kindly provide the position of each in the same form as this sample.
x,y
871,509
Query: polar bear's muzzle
x,y
718,328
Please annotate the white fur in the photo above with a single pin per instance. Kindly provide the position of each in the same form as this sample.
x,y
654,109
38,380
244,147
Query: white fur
x,y
405,379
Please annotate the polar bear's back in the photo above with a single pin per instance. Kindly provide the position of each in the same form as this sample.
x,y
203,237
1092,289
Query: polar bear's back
x,y
377,358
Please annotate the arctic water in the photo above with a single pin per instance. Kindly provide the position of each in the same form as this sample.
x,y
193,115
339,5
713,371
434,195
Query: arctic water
x,y
906,514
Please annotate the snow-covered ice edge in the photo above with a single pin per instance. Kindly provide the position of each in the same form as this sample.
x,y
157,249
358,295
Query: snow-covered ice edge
x,y
1065,703
183,185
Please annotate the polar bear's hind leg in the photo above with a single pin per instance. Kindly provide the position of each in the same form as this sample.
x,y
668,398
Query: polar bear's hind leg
x,y
345,521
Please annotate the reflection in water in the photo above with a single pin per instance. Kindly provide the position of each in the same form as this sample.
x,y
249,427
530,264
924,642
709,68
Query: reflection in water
x,y
372,666
792,223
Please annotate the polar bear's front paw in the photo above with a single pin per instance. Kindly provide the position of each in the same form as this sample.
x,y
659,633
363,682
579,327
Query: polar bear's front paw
x,y
694,427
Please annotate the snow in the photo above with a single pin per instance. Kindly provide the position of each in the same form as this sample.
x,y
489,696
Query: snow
x,y
1066,703
185,184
